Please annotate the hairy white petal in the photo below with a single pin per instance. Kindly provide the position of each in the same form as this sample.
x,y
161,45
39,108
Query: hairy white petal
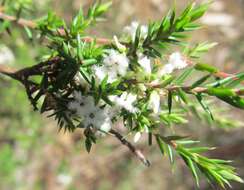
x,y
154,102
144,31
145,63
126,101
137,137
73,106
131,30
167,69
146,129
106,126
177,61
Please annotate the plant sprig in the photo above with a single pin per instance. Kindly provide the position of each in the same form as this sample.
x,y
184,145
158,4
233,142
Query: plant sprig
x,y
91,83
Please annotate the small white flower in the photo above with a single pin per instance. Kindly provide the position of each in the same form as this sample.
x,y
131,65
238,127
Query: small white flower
x,y
167,69
145,63
90,114
131,30
146,129
102,71
6,55
78,96
177,61
154,102
126,101
114,65
144,31
137,137
106,126
73,106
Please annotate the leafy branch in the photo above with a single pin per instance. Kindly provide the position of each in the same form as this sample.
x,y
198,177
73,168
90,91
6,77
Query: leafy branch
x,y
90,83
216,170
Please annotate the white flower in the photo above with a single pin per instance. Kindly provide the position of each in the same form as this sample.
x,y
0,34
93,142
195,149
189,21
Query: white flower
x,y
167,69
102,71
145,63
6,55
73,106
154,102
114,65
106,126
131,30
177,61
90,114
126,101
137,137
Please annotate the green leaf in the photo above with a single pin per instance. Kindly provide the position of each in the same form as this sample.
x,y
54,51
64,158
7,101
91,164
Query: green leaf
x,y
229,82
170,154
231,176
237,101
88,144
183,76
217,171
88,62
204,106
104,83
221,92
28,32
85,75
184,17
199,49
160,144
174,138
79,53
236,80
182,96
206,67
199,11
193,170
170,98
102,8
200,81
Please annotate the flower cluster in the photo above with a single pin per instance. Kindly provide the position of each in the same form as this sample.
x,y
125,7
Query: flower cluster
x,y
83,107
126,101
131,30
114,65
91,84
176,61
145,63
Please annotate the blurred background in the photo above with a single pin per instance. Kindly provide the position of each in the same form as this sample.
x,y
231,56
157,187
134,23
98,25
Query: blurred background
x,y
34,155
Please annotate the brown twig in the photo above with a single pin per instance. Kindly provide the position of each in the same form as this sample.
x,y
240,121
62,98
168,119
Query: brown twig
x,y
31,24
132,148
20,21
